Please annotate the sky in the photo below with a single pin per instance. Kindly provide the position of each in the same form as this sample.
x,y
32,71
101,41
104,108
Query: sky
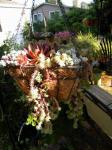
x,y
66,2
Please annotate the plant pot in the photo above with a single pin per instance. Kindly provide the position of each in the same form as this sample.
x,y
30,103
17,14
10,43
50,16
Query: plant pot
x,y
89,22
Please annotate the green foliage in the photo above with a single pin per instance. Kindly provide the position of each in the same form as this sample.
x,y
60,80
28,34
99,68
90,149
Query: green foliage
x,y
75,16
55,24
31,120
77,27
27,32
38,27
8,45
91,12
87,44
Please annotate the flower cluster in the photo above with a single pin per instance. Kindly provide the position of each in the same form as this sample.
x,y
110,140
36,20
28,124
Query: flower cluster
x,y
65,35
37,57
14,58
45,108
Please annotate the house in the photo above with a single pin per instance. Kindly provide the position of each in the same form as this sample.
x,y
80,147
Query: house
x,y
80,4
13,15
84,5
47,11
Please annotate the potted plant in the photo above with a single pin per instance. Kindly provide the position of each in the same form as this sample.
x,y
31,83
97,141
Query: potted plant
x,y
89,21
47,81
88,45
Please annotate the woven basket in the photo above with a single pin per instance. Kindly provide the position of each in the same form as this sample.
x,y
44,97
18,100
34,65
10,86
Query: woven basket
x,y
61,84
22,76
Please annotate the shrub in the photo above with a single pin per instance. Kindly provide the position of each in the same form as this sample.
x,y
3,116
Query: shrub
x,y
87,44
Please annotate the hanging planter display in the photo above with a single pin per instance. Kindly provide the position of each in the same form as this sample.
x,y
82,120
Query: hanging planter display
x,y
47,82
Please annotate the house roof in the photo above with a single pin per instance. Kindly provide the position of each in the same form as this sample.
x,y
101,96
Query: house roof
x,y
50,5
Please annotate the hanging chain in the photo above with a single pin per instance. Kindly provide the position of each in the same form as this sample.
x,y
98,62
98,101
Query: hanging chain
x,y
32,9
20,20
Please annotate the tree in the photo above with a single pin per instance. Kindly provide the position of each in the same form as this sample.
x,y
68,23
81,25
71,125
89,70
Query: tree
x,y
55,24
27,32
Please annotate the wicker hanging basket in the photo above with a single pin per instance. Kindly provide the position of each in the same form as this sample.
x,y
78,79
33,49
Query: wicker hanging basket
x,y
61,84
22,76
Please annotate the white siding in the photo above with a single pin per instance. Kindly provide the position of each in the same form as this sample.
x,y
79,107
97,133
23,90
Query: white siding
x,y
9,17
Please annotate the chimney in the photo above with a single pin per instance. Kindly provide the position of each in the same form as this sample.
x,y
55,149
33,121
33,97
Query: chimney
x,y
75,3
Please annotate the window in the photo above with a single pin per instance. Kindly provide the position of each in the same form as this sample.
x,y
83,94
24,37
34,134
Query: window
x,y
35,18
38,17
57,13
52,14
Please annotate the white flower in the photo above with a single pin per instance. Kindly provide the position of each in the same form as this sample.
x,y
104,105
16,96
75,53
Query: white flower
x,y
48,63
47,118
58,53
38,77
23,52
8,62
13,51
57,59
61,63
34,93
5,52
69,61
2,63
39,126
41,57
41,65
4,57
64,56
42,116
16,63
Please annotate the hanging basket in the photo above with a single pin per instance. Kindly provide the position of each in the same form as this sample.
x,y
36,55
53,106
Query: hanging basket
x,y
22,76
61,83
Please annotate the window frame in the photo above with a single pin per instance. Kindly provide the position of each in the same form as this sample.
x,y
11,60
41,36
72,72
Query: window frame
x,y
37,15
42,18
53,12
